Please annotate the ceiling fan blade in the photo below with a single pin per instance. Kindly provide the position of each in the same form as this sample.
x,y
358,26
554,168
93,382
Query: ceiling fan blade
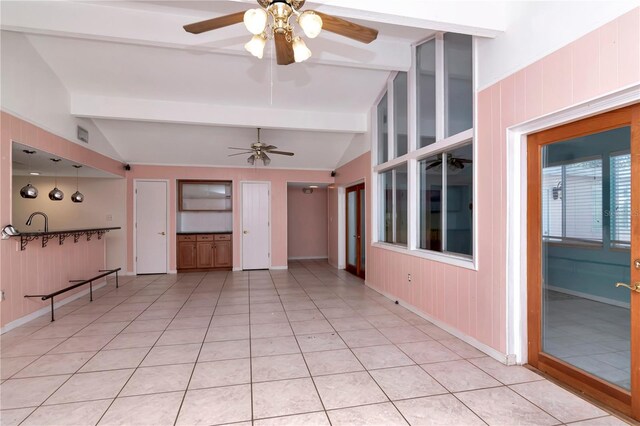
x,y
244,149
347,29
269,147
215,23
434,164
282,153
284,49
240,153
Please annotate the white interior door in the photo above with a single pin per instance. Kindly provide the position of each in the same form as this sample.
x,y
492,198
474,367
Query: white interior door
x,y
151,227
255,225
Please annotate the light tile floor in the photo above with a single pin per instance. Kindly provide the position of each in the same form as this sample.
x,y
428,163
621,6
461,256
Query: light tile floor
x,y
593,336
307,346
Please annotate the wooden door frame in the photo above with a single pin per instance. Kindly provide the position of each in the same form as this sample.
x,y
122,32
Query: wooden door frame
x,y
359,269
589,384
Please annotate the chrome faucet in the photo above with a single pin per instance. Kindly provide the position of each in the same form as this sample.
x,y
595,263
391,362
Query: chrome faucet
x,y
46,220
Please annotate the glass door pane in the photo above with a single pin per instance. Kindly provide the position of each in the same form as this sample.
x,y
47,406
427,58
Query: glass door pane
x,y
352,228
585,217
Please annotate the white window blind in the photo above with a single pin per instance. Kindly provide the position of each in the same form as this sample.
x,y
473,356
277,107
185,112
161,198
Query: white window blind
x,y
572,201
620,214
552,202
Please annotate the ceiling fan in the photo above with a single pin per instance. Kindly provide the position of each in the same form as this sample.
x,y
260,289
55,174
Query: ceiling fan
x,y
454,163
258,151
273,20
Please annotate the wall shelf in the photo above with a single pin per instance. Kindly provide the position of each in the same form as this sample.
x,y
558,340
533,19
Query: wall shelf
x,y
62,235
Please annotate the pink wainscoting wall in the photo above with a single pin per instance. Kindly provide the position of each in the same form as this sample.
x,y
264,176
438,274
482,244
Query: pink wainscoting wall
x,y
474,302
39,270
355,171
278,178
306,223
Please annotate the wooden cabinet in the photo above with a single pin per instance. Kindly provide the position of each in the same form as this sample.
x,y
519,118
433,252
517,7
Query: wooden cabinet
x,y
205,254
204,251
187,258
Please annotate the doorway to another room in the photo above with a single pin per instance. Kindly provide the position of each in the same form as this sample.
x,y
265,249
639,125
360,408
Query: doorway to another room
x,y
355,230
584,256
256,225
307,221
151,226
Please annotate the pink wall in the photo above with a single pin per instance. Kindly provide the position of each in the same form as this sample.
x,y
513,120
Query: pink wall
x,y
306,223
278,178
39,270
355,171
474,302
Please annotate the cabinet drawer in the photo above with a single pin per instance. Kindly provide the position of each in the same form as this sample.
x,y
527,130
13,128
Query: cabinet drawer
x,y
186,237
204,237
223,237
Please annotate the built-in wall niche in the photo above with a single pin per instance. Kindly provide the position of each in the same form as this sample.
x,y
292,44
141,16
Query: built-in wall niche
x,y
70,194
204,206
204,195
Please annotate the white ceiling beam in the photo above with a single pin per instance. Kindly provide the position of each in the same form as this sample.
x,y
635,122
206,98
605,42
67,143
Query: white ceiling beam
x,y
479,18
214,115
108,22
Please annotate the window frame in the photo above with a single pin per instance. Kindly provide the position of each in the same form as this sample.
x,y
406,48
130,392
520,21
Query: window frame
x,y
415,154
574,241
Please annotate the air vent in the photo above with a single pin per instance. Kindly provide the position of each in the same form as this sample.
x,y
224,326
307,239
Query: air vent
x,y
83,134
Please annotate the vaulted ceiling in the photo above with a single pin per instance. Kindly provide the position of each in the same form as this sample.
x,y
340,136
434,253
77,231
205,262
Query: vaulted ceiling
x,y
164,96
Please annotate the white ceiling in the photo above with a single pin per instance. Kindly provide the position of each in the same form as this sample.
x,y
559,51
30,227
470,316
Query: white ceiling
x,y
163,96
40,162
181,144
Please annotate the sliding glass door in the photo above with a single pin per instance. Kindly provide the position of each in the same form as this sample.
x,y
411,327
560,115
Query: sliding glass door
x,y
584,255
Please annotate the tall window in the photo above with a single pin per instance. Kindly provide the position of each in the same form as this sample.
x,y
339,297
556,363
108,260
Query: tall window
x,y
438,148
620,194
393,211
383,130
572,201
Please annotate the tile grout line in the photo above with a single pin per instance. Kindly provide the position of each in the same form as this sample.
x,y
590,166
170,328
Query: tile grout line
x,y
195,364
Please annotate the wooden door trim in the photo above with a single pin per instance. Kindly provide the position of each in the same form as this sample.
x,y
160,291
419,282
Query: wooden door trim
x,y
635,254
357,269
616,397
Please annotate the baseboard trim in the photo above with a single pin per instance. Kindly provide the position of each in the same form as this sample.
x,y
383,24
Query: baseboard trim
x,y
590,297
493,353
47,309
279,268
309,258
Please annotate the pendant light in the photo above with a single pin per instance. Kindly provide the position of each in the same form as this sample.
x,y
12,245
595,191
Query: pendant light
x,y
29,191
56,194
77,196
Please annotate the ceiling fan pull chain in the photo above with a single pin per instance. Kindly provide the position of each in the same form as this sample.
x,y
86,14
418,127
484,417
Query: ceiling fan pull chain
x,y
271,76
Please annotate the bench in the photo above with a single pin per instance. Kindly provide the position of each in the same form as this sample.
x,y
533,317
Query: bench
x,y
78,283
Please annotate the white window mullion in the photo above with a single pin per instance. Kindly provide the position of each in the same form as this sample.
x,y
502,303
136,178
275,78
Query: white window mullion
x,y
412,204
440,92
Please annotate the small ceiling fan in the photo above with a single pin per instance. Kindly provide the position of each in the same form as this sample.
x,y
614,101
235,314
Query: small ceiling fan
x,y
454,163
258,151
273,20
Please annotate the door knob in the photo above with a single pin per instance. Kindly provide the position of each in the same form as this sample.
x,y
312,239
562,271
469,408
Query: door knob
x,y
245,232
633,287
161,233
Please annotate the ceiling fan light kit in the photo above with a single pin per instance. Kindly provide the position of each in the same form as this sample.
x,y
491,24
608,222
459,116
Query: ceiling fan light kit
x,y
273,21
258,151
